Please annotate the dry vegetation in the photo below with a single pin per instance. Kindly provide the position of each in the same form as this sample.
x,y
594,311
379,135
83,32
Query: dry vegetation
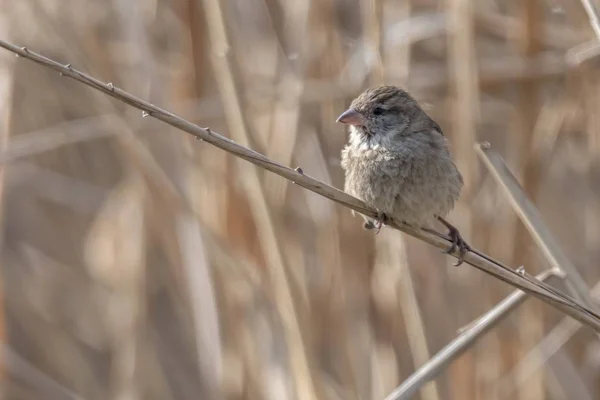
x,y
140,264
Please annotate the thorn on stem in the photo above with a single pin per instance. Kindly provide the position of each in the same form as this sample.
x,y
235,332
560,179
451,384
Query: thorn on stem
x,y
67,66
298,170
145,114
110,86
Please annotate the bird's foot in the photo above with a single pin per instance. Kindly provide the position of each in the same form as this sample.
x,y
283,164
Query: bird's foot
x,y
381,220
460,243
378,223
457,242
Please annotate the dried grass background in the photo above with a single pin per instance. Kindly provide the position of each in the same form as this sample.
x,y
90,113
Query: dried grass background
x,y
140,264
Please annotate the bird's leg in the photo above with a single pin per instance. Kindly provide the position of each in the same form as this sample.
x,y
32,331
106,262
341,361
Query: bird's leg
x,y
381,220
457,241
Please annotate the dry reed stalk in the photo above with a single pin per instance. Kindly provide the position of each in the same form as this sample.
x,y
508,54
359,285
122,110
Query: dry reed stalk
x,y
202,300
287,101
384,370
589,83
430,78
134,149
592,12
19,367
510,27
6,78
392,251
192,258
528,104
43,183
383,278
339,299
371,15
114,252
398,53
552,118
567,381
40,326
63,134
464,89
281,285
535,226
396,285
455,349
238,283
532,221
528,44
331,299
124,127
538,356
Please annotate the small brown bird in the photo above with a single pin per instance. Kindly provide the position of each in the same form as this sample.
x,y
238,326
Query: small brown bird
x,y
397,161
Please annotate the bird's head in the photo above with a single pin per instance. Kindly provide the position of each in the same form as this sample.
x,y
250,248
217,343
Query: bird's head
x,y
382,115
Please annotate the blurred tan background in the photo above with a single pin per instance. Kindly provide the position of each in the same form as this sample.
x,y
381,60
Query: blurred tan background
x,y
138,263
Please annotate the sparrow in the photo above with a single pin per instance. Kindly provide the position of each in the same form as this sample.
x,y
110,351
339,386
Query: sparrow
x,y
397,161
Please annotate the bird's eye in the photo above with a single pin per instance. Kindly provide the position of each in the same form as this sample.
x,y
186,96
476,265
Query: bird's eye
x,y
378,111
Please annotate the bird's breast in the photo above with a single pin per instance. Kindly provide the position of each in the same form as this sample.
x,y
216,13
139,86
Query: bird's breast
x,y
409,184
372,176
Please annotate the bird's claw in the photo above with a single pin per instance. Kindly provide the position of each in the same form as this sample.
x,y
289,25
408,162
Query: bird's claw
x,y
379,222
378,225
457,243
382,219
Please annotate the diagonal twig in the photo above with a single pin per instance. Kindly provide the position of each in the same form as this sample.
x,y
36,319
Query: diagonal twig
x,y
438,363
591,49
518,279
539,355
534,224
593,16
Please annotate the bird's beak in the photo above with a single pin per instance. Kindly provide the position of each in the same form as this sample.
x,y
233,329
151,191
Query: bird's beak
x,y
351,117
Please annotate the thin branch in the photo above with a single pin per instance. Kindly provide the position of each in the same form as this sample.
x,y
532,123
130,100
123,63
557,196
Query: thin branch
x,y
454,349
582,52
590,49
541,353
519,279
535,225
592,13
